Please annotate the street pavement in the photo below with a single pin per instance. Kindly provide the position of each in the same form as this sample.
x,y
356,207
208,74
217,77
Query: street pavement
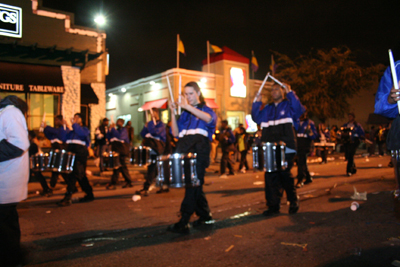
x,y
114,230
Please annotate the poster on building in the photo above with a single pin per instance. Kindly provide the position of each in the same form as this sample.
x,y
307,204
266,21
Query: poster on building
x,y
238,86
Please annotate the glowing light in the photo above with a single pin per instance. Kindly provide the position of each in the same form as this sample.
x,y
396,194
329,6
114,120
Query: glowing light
x,y
100,20
123,89
238,82
140,109
203,80
152,83
110,94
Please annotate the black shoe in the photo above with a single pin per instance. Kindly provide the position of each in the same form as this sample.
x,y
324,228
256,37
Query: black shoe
x,y
208,221
294,207
231,173
179,228
127,184
146,193
308,181
66,201
87,198
47,193
299,185
139,192
53,183
111,187
271,212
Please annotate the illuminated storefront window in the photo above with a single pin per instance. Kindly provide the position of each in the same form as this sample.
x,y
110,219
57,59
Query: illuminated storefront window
x,y
238,82
40,104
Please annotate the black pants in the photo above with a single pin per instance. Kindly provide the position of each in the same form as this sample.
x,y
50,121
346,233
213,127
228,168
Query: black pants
x,y
39,176
351,151
302,168
195,198
123,170
276,181
10,236
54,178
243,160
226,161
101,149
79,172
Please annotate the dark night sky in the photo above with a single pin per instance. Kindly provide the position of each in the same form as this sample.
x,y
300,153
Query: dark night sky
x,y
141,35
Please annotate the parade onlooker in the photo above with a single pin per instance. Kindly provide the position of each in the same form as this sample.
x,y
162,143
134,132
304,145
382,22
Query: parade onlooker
x,y
243,147
101,142
227,141
14,175
323,135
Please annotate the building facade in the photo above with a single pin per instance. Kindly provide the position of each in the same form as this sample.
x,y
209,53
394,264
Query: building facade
x,y
54,65
225,85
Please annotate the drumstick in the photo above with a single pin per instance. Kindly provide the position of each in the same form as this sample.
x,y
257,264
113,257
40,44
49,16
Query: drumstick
x,y
63,114
43,119
261,87
394,75
152,116
277,81
170,92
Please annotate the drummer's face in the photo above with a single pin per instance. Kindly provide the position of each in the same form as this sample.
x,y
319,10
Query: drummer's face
x,y
276,93
191,95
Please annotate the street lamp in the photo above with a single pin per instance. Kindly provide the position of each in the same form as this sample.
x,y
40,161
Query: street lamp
x,y
100,20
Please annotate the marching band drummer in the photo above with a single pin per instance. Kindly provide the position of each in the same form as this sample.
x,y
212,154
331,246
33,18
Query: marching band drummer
x,y
78,141
277,120
57,136
195,128
119,140
356,133
306,133
154,136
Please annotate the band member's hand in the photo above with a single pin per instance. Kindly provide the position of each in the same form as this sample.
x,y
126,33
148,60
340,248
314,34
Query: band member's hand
x,y
258,98
287,87
394,95
172,105
183,104
145,125
112,125
43,124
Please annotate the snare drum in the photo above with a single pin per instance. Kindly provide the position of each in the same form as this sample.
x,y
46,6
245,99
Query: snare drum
x,y
142,156
39,162
179,168
111,160
269,156
61,161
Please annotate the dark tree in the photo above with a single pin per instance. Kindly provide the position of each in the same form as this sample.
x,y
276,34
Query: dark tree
x,y
324,80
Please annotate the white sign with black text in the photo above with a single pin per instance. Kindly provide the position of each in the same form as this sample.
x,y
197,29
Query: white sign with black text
x,y
10,21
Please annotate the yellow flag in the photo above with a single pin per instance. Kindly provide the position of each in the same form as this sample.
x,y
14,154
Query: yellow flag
x,y
215,49
181,48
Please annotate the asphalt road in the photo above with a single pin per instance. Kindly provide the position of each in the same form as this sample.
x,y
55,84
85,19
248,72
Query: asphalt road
x,y
114,230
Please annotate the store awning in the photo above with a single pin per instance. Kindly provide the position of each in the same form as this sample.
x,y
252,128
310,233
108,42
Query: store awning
x,y
211,103
20,78
161,103
88,96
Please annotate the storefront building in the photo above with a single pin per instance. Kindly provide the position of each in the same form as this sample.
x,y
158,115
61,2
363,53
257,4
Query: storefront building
x,y
55,66
226,88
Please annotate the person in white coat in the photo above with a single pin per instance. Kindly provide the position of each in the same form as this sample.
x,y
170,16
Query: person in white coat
x,y
14,176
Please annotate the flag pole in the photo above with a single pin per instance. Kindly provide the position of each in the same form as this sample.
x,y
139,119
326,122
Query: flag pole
x,y
208,56
251,62
177,51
